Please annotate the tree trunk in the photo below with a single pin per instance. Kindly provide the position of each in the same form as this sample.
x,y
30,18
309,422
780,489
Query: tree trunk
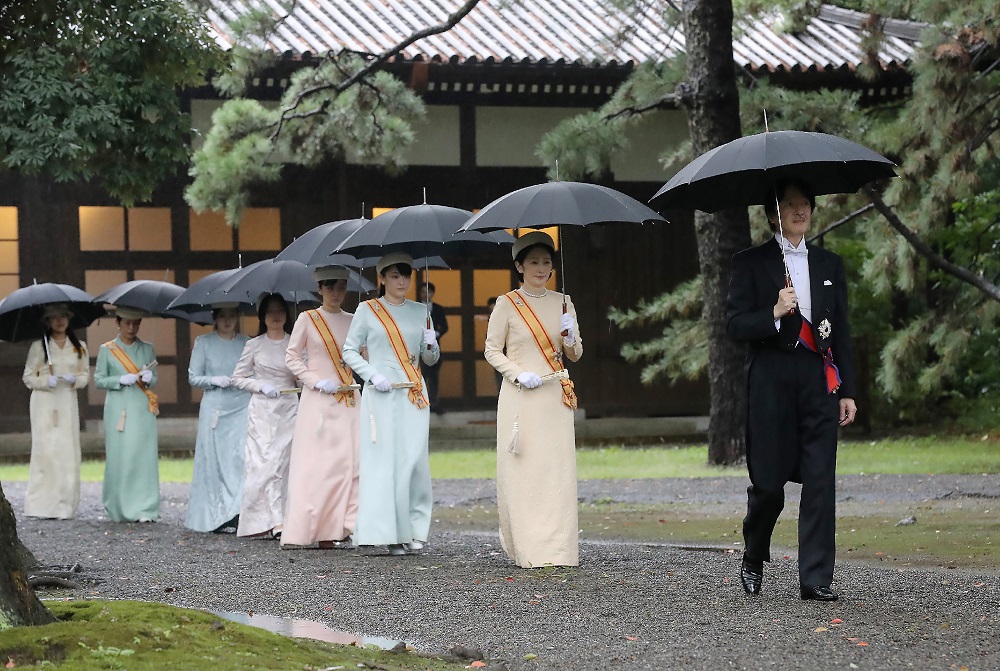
x,y
711,100
18,604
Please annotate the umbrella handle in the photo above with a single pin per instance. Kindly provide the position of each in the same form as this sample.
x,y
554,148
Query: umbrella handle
x,y
564,311
788,283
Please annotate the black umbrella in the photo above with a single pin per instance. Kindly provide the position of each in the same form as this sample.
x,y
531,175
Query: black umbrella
x,y
315,246
560,203
21,312
741,172
292,279
204,293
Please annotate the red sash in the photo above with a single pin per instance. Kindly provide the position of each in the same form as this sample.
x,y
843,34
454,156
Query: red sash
x,y
830,371
333,349
409,363
552,356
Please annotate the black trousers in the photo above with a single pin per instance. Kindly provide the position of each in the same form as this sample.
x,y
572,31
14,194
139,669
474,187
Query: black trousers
x,y
792,437
431,375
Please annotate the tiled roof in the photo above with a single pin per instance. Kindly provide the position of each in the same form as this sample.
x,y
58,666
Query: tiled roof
x,y
590,32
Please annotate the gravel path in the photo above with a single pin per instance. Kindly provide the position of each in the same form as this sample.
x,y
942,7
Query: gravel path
x,y
629,605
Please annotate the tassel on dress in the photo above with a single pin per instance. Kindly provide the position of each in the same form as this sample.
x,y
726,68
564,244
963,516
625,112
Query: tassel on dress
x,y
512,446
121,422
371,423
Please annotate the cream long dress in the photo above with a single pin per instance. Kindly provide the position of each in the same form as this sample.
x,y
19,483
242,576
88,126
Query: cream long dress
x,y
536,487
269,434
54,471
323,474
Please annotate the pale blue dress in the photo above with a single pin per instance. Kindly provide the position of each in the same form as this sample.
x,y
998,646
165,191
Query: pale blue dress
x,y
217,482
131,466
394,492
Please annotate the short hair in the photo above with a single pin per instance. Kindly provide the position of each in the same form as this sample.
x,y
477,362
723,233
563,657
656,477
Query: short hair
x,y
262,307
430,286
523,254
777,193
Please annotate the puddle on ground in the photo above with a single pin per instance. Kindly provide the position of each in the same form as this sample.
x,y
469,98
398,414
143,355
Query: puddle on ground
x,y
296,628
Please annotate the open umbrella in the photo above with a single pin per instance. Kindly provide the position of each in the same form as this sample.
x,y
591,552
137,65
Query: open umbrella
x,y
21,312
741,172
421,231
153,297
204,293
292,279
561,204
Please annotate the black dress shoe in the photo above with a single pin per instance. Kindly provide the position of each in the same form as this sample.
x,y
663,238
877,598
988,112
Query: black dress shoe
x,y
752,576
819,593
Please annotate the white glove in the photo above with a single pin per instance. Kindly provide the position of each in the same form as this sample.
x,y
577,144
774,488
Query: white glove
x,y
568,324
380,382
269,390
70,378
326,386
147,376
53,381
128,379
220,381
529,380
430,338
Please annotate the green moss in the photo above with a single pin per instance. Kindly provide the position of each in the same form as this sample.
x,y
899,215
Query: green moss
x,y
139,636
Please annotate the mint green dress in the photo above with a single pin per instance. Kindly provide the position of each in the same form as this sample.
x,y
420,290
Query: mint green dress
x,y
131,470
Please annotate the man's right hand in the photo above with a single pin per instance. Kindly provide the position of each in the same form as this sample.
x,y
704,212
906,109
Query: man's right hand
x,y
786,303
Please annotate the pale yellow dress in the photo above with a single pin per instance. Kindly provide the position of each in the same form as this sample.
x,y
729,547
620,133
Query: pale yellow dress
x,y
536,486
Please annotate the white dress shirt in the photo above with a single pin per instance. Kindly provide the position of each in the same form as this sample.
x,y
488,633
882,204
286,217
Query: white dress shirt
x,y
797,260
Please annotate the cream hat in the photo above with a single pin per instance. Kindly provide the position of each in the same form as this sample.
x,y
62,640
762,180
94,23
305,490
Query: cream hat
x,y
57,310
393,259
529,239
125,312
331,273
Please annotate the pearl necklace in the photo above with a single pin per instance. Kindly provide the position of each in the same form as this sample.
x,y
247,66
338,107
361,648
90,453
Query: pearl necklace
x,y
541,295
386,299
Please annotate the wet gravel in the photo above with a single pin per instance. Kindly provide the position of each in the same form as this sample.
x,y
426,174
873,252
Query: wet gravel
x,y
628,606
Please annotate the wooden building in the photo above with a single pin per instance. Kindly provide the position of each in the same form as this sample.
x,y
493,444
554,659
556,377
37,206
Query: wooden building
x,y
493,86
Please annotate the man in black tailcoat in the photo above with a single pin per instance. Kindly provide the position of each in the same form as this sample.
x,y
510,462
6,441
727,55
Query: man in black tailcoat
x,y
800,387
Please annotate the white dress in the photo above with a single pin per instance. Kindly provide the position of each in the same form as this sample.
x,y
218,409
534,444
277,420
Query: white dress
x,y
54,472
269,434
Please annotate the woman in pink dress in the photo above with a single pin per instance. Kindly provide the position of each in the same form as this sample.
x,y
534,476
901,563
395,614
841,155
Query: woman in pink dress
x,y
322,502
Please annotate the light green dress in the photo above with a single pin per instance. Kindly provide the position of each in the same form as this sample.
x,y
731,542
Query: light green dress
x,y
131,471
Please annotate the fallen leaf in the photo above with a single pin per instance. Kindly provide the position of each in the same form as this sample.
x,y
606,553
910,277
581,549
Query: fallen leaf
x,y
509,579
852,639
819,629
879,554
10,663
530,656
478,664
836,620
631,638
862,643
980,584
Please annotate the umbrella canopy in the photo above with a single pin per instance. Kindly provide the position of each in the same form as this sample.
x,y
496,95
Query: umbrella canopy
x,y
315,246
21,312
204,293
740,173
560,203
292,279
153,297
421,231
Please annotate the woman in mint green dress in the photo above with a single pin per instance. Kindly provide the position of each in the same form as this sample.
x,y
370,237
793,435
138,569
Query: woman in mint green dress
x,y
126,370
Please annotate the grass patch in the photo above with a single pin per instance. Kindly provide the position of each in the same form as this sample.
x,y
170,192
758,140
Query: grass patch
x,y
947,455
143,636
946,534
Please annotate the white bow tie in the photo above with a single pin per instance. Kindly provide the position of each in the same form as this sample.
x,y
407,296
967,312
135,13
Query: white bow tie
x,y
793,251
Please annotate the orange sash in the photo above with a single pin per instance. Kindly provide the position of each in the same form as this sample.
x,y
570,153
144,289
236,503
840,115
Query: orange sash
x,y
409,363
552,356
333,349
129,365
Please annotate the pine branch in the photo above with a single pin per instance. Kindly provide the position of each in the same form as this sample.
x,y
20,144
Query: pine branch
x,y
376,63
633,110
935,259
840,222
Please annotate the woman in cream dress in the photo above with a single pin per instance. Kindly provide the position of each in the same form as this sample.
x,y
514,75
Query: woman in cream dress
x,y
394,497
536,440
54,371
261,370
323,475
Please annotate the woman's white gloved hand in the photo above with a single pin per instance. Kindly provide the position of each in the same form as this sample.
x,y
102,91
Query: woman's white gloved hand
x,y
269,390
53,381
380,382
128,379
146,376
70,378
529,380
325,386
567,325
220,381
430,338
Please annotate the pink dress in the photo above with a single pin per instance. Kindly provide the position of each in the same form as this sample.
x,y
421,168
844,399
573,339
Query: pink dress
x,y
323,474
